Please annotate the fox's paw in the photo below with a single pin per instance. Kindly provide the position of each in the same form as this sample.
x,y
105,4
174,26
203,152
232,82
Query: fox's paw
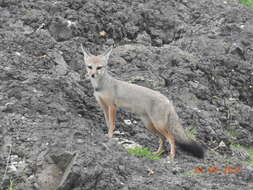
x,y
159,152
109,135
171,156
170,159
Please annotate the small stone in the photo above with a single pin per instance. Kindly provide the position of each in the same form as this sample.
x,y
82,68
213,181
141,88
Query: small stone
x,y
17,53
158,42
80,141
143,38
222,144
13,168
110,42
102,33
150,171
127,122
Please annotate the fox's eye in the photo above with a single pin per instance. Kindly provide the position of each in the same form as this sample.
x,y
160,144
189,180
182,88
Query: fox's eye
x,y
89,67
98,68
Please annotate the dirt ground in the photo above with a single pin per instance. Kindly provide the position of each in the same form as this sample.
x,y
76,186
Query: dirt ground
x,y
199,53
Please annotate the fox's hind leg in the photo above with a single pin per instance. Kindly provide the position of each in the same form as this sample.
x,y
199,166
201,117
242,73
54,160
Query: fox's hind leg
x,y
161,148
160,122
170,139
148,124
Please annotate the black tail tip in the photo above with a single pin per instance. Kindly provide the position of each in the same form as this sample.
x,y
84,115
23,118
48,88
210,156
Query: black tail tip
x,y
194,148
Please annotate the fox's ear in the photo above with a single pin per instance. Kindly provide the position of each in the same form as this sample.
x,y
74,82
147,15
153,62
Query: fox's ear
x,y
107,53
86,54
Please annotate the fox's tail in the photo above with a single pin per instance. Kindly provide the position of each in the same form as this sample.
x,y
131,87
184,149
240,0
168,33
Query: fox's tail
x,y
184,142
192,147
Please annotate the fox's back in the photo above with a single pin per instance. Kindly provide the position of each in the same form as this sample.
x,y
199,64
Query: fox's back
x,y
135,98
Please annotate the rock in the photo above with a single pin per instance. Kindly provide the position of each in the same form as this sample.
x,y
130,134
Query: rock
x,y
60,29
61,65
143,38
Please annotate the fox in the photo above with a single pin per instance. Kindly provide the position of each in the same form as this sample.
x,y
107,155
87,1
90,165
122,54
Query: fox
x,y
155,110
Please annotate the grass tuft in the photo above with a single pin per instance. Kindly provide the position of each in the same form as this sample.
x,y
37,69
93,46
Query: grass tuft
x,y
12,185
142,151
232,133
248,150
248,3
191,133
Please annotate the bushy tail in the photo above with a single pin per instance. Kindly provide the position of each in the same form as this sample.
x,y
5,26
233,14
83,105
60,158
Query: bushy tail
x,y
192,147
182,140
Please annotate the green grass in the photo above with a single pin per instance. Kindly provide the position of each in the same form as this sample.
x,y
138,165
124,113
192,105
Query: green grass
x,y
142,151
188,173
191,133
251,156
247,2
12,185
232,133
249,151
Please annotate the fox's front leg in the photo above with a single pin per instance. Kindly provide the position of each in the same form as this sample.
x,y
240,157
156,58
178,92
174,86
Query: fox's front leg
x,y
105,108
112,117
109,113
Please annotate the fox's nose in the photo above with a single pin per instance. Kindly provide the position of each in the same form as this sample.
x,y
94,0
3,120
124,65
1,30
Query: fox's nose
x,y
93,75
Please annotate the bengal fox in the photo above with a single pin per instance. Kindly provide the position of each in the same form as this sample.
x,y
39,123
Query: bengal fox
x,y
155,110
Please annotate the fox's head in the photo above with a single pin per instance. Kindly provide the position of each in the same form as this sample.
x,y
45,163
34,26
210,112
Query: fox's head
x,y
96,65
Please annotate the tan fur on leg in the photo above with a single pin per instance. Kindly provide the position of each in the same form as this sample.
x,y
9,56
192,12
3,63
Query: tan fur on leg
x,y
170,138
149,125
161,148
112,118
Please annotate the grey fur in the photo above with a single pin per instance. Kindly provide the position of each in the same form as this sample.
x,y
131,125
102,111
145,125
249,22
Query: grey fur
x,y
156,111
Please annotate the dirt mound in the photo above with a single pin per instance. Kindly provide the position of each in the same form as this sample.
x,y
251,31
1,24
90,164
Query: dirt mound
x,y
198,53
